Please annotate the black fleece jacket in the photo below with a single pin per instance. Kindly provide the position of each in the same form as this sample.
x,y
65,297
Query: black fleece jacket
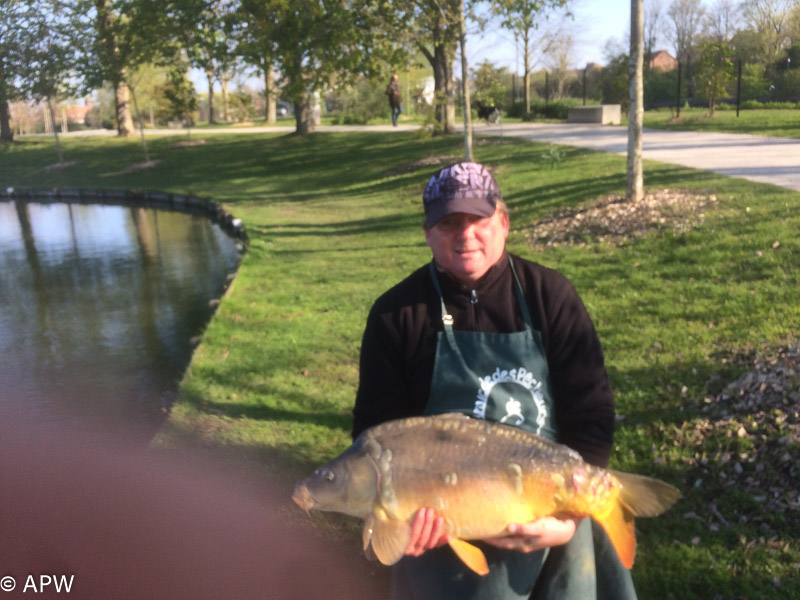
x,y
399,346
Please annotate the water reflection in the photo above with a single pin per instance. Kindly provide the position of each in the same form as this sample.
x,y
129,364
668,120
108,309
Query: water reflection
x,y
98,305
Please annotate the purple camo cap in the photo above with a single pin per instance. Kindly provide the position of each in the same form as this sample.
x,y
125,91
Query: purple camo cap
x,y
464,187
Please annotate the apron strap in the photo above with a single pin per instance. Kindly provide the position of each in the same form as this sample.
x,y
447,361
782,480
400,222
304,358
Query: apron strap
x,y
523,306
447,318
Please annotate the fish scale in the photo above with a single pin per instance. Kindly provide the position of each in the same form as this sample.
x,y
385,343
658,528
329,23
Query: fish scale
x,y
480,477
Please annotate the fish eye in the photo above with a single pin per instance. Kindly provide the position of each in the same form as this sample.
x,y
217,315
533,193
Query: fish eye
x,y
329,476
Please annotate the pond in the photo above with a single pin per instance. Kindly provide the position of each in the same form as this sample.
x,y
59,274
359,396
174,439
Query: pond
x,y
100,308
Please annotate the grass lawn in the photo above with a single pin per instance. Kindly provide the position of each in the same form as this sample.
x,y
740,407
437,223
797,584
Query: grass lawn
x,y
773,122
335,219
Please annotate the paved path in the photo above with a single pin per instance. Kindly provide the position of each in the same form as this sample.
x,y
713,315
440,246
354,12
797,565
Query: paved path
x,y
757,158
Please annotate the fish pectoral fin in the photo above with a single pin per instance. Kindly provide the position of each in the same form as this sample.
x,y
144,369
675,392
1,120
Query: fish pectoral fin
x,y
366,534
389,539
618,525
470,555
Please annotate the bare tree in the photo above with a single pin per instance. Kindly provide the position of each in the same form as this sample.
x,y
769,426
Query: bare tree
x,y
773,20
523,18
653,18
722,20
685,22
559,57
634,190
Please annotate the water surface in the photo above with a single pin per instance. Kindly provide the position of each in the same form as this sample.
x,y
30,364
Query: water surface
x,y
98,308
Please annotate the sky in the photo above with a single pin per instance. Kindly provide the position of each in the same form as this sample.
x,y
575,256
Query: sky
x,y
595,21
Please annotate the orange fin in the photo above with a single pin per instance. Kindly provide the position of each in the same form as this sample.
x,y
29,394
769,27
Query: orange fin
x,y
618,524
645,496
389,538
470,555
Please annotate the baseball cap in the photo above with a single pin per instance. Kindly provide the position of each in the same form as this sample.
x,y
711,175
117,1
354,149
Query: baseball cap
x,y
463,187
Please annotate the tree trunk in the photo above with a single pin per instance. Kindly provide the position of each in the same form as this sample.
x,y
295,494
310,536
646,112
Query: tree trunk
x,y
6,133
527,78
462,39
55,129
443,83
223,85
634,190
304,119
116,70
269,94
122,101
210,78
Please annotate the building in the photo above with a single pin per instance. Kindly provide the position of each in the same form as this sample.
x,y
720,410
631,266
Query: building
x,y
663,61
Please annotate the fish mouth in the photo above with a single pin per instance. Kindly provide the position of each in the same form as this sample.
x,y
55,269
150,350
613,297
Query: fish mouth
x,y
302,497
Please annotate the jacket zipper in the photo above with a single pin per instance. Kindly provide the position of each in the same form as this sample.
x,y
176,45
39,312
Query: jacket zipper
x,y
473,300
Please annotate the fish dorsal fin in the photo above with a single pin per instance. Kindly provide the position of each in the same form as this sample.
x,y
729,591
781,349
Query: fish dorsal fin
x,y
470,555
389,538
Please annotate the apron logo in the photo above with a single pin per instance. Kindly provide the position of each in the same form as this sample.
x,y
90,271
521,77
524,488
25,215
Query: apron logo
x,y
513,406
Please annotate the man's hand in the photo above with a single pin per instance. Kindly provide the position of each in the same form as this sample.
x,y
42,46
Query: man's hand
x,y
427,532
538,534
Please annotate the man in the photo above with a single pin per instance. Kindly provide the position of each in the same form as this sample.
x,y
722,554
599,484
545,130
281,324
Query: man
x,y
395,98
440,341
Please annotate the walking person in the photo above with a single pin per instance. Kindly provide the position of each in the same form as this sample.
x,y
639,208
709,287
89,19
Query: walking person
x,y
395,98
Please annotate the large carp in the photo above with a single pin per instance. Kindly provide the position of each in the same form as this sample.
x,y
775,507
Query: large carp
x,y
480,477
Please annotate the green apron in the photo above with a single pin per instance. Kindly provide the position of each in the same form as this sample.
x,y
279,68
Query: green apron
x,y
504,377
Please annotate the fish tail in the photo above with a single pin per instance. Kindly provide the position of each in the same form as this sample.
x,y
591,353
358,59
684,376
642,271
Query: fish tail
x,y
639,496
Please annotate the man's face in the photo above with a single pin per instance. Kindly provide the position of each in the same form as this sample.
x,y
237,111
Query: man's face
x,y
467,246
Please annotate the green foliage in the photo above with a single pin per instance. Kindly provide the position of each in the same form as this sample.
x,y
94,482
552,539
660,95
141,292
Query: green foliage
x,y
661,88
241,106
554,155
754,82
489,84
715,72
614,82
541,109
787,86
181,101
359,102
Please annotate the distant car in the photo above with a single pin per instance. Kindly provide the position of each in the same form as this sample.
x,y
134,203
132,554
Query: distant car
x,y
282,109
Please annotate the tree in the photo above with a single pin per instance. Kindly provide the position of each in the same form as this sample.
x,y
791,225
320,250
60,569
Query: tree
x,y
490,87
432,27
14,19
652,25
522,17
251,27
634,190
559,60
686,18
775,22
714,72
110,61
312,42
52,53
198,27
721,20
180,96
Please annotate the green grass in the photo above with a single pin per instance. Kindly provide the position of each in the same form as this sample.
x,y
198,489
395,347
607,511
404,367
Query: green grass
x,y
333,221
773,122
